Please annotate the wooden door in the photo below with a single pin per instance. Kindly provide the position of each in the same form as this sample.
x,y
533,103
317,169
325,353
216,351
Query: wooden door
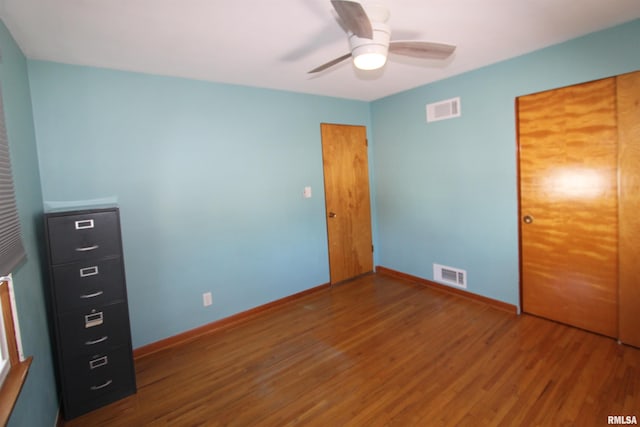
x,y
568,205
348,207
629,206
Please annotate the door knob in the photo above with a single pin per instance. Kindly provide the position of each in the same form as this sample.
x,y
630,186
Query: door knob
x,y
527,219
332,215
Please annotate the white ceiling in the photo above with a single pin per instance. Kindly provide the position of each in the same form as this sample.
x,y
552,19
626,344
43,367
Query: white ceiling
x,y
273,43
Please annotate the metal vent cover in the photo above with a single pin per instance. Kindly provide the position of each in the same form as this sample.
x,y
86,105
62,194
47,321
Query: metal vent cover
x,y
450,276
442,110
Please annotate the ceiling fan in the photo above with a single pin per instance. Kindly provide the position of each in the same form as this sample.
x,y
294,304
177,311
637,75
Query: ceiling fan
x,y
370,38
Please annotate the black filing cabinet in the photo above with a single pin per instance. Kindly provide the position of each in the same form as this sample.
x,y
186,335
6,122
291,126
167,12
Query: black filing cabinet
x,y
90,316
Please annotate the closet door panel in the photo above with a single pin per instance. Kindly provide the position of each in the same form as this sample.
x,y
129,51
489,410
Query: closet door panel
x,y
628,88
568,202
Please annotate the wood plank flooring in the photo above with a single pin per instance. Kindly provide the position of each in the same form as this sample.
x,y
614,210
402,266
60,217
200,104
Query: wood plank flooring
x,y
382,351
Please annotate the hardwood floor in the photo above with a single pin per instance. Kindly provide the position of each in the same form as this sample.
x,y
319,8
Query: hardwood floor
x,y
388,352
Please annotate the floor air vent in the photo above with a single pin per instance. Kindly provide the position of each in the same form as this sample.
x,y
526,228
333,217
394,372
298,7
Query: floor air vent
x,y
447,109
450,275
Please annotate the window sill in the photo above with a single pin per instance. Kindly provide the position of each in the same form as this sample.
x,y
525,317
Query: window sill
x,y
11,389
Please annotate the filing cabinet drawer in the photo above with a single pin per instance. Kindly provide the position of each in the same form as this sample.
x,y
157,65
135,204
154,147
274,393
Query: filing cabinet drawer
x,y
90,380
94,329
88,284
83,236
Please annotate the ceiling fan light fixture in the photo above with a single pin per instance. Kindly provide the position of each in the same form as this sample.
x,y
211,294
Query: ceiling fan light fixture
x,y
370,60
371,54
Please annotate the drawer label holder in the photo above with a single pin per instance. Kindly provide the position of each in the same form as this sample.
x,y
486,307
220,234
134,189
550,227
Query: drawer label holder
x,y
93,319
98,362
84,224
89,271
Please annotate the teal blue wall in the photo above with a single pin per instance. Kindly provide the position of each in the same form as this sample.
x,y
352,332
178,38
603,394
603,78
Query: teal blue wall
x,y
446,192
37,405
209,180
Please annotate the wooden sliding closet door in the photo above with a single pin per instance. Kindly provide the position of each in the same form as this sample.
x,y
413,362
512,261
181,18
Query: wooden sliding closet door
x,y
629,206
568,202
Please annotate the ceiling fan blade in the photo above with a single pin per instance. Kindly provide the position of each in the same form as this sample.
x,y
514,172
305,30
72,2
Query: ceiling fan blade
x,y
421,49
354,18
330,63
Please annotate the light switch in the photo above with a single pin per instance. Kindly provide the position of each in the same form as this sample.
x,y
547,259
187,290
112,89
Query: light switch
x,y
307,192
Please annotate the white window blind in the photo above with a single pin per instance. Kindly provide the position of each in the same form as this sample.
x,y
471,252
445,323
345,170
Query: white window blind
x,y
11,248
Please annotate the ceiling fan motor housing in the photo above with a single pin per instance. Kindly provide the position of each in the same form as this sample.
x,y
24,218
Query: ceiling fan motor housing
x,y
369,54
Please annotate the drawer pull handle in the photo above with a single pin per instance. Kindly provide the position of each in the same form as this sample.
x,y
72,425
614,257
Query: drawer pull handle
x,y
84,224
87,248
89,271
93,295
98,341
96,363
93,319
98,387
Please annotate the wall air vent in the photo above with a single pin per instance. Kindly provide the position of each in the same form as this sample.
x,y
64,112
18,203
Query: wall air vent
x,y
447,109
450,276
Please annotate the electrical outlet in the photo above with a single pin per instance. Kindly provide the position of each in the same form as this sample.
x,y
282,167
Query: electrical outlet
x,y
206,299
